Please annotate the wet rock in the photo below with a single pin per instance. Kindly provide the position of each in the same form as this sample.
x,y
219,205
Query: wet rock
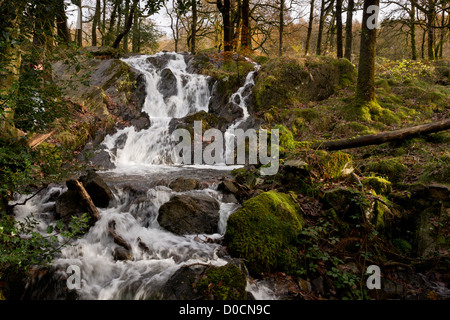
x,y
99,191
69,204
317,286
168,84
48,283
160,61
190,214
228,186
180,285
201,282
120,254
101,160
181,184
229,198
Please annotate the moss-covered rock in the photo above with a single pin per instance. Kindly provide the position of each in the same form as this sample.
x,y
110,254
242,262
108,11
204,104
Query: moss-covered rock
x,y
378,184
223,283
346,204
335,164
287,81
200,282
393,168
262,230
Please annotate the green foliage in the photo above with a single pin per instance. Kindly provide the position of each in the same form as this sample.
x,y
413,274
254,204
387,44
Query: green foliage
x,y
402,70
22,246
317,245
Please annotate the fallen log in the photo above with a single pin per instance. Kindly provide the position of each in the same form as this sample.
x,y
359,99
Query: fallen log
x,y
382,137
92,209
117,238
37,139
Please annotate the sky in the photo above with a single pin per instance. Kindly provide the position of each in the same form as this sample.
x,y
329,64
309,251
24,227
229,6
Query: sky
x,y
162,21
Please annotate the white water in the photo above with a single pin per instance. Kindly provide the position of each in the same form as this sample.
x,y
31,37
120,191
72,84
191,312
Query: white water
x,y
145,274
152,146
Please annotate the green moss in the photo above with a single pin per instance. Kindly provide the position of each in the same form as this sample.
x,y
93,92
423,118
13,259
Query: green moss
x,y
335,165
309,114
288,81
382,214
347,72
352,128
393,168
223,283
286,138
402,245
346,204
380,185
262,230
437,170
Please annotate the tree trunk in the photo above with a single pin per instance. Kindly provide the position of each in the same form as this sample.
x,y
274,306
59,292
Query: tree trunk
x,y
412,27
431,17
103,28
224,9
280,47
245,34
444,32
365,86
125,37
320,31
112,22
91,208
95,23
329,42
80,26
10,60
384,137
128,24
349,30
63,31
310,26
194,27
339,44
136,32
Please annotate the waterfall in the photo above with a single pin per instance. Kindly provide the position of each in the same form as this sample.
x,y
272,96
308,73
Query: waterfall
x,y
143,276
152,146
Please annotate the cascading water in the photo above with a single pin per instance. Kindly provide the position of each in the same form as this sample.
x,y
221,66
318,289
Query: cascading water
x,y
152,146
145,274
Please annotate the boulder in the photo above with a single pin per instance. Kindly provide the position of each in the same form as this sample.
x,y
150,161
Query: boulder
x,y
181,184
228,187
120,253
190,214
199,282
262,232
69,204
99,191
160,61
168,84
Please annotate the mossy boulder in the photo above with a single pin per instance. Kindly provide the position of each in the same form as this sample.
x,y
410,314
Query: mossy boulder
x,y
346,204
261,232
378,184
392,168
208,120
223,283
200,282
287,81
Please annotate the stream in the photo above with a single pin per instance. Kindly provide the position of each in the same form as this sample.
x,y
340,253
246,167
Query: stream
x,y
142,160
